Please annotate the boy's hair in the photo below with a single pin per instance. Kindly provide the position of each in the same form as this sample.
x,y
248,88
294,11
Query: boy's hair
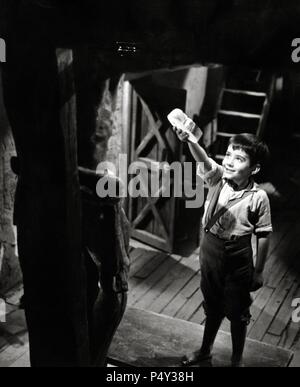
x,y
256,149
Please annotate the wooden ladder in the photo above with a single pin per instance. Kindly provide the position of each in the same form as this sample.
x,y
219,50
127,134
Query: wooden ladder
x,y
244,106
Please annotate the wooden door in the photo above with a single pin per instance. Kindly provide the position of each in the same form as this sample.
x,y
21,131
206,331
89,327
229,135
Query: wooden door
x,y
152,142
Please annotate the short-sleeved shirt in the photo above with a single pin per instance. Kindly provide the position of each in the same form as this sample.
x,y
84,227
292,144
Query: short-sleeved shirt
x,y
248,216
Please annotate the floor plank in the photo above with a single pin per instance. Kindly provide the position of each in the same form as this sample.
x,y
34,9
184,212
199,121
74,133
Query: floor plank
x,y
160,286
22,362
284,314
149,340
259,304
199,316
182,297
146,261
185,271
188,309
295,363
271,339
14,351
261,325
139,287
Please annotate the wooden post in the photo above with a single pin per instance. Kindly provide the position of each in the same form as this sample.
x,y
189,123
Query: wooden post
x,y
76,280
40,107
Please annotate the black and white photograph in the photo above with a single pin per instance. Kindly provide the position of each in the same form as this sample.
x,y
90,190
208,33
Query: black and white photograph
x,y
150,186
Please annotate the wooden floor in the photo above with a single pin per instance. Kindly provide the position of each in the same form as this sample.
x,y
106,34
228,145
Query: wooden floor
x,y
169,285
147,339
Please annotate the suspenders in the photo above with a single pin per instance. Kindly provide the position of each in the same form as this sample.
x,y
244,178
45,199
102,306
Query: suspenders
x,y
223,210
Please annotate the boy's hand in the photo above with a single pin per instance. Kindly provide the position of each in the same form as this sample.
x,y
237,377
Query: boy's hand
x,y
257,281
183,136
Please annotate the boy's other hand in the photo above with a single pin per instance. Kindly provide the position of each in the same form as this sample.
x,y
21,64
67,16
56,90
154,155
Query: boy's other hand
x,y
183,136
257,281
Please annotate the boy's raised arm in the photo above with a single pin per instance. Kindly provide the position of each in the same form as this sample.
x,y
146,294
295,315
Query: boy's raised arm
x,y
197,151
200,155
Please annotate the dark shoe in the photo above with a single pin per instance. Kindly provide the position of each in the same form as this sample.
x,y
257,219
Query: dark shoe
x,y
196,358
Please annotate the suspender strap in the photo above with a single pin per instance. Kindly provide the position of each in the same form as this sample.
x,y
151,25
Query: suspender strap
x,y
223,210
214,200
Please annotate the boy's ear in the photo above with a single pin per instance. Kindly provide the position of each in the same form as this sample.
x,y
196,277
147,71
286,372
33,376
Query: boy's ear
x,y
256,169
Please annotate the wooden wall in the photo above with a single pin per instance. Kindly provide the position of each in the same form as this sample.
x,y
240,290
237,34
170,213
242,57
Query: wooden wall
x,y
99,93
9,265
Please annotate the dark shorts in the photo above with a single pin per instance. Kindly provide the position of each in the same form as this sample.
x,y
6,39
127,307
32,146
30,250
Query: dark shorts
x,y
226,276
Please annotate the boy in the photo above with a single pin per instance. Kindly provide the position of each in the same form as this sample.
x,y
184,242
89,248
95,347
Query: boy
x,y
235,209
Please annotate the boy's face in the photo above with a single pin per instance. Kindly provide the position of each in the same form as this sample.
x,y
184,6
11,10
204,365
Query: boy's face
x,y
237,166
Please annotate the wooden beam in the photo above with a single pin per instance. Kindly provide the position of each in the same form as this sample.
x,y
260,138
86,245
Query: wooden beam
x,y
248,32
76,302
